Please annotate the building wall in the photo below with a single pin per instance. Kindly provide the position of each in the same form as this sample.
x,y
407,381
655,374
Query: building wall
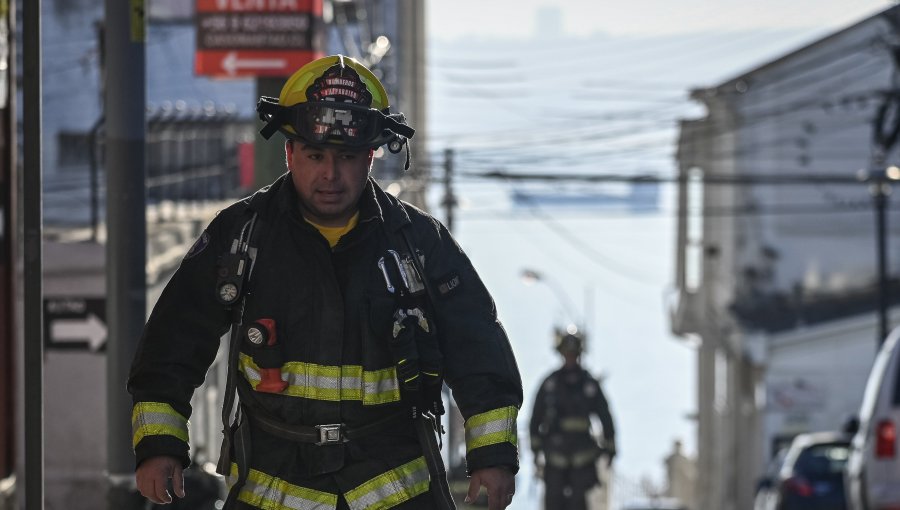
x,y
805,115
810,114
815,378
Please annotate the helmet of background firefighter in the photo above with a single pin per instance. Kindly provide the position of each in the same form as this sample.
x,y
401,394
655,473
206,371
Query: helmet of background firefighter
x,y
569,340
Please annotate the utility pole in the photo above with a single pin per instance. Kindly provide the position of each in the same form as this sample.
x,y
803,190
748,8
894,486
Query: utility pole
x,y
449,201
33,234
411,43
126,227
879,179
880,190
9,183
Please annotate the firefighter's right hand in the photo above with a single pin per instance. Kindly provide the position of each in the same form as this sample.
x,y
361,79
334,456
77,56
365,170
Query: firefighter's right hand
x,y
610,454
538,466
153,477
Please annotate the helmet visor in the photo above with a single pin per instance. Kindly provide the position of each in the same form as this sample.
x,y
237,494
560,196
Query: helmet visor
x,y
332,122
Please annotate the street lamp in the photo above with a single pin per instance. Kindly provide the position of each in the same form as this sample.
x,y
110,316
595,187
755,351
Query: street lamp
x,y
531,277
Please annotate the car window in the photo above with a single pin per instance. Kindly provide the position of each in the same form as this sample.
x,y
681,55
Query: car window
x,y
822,461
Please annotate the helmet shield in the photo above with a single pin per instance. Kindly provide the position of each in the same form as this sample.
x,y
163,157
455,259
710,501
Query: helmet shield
x,y
324,121
331,122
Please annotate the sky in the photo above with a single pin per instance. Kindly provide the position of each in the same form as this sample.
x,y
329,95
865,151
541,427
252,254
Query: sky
x,y
517,18
530,86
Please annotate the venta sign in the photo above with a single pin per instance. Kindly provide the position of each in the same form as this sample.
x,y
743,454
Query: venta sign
x,y
238,38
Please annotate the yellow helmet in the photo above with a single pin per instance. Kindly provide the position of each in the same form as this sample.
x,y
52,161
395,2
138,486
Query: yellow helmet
x,y
334,100
567,342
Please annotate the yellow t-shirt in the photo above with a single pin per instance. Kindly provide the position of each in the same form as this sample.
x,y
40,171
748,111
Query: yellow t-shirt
x,y
333,234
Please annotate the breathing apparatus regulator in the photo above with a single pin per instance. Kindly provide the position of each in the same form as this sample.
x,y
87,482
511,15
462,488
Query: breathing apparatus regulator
x,y
337,101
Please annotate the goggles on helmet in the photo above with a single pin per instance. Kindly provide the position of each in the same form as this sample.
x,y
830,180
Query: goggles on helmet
x,y
324,122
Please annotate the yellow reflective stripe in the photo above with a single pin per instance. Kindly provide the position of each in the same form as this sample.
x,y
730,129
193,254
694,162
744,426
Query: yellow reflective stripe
x,y
272,493
574,424
492,427
578,459
156,419
331,383
389,489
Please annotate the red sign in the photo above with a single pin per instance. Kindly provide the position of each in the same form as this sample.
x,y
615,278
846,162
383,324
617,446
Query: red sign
x,y
256,37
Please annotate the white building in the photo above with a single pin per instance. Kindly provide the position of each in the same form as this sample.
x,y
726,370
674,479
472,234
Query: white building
x,y
776,249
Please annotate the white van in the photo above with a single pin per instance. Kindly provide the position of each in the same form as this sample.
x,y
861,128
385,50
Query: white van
x,y
873,468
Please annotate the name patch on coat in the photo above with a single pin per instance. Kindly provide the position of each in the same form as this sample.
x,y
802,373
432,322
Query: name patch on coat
x,y
448,284
199,245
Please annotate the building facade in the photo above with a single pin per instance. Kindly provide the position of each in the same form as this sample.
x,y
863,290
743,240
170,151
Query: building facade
x,y
776,249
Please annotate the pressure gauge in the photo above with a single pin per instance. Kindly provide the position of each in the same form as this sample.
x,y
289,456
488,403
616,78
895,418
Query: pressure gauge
x,y
256,335
228,292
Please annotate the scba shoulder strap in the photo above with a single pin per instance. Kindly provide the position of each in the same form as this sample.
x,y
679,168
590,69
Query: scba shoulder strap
x,y
233,274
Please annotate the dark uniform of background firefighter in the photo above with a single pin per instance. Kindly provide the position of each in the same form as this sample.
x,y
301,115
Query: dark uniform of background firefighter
x,y
564,446
348,309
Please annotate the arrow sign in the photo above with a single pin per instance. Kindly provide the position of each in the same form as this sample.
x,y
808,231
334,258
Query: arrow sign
x,y
232,64
90,328
75,322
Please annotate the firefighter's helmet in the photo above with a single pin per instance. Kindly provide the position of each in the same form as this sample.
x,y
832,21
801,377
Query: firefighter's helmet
x,y
569,342
334,100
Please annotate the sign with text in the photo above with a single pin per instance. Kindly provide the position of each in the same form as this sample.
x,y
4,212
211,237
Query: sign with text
x,y
256,37
75,323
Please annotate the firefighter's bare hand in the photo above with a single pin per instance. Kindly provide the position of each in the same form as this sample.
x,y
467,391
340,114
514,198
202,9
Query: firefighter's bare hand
x,y
500,484
153,477
538,468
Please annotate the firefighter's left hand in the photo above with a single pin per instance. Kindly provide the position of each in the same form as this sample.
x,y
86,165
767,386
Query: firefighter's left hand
x,y
500,484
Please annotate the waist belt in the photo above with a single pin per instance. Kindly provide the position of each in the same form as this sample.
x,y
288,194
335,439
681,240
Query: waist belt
x,y
332,433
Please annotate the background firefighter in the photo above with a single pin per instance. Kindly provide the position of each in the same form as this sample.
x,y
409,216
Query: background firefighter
x,y
340,298
564,446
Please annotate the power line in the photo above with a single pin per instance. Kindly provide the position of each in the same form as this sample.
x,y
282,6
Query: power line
x,y
639,213
712,179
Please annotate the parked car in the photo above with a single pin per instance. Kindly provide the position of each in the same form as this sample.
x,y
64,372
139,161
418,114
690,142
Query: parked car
x,y
812,474
873,469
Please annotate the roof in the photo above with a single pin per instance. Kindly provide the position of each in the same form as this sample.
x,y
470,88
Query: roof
x,y
892,14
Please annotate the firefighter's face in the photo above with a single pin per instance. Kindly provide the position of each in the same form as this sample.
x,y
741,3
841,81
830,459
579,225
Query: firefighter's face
x,y
329,180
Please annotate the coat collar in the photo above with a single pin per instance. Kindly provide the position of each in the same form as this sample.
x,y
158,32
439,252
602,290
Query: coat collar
x,y
374,204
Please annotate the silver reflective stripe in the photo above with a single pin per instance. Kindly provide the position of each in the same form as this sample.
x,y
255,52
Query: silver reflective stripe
x,y
490,427
386,389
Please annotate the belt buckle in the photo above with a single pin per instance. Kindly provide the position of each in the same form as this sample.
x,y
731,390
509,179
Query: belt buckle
x,y
330,434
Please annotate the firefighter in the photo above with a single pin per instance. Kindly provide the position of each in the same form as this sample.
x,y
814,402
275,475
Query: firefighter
x,y
346,310
564,446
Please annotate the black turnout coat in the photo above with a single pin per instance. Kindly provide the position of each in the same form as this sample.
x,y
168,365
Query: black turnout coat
x,y
333,316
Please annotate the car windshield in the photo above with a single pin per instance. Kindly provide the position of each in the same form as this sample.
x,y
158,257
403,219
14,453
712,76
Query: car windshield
x,y
822,461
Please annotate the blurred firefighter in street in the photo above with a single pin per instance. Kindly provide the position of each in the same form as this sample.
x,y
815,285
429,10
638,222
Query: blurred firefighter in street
x,y
347,309
565,447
